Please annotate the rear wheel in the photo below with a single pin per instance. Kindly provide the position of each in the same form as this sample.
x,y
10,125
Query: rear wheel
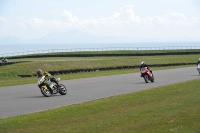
x,y
62,90
45,92
146,78
152,80
198,70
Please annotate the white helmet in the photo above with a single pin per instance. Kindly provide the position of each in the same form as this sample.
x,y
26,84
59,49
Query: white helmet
x,y
199,58
142,62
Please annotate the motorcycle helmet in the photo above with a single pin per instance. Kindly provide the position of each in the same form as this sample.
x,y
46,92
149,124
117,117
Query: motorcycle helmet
x,y
39,72
142,62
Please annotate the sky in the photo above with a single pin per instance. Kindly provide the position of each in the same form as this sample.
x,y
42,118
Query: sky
x,y
31,19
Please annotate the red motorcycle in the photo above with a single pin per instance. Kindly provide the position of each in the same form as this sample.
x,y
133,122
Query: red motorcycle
x,y
147,75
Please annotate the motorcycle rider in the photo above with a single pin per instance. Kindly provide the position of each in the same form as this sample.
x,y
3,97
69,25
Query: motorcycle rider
x,y
4,60
145,65
47,75
198,65
198,62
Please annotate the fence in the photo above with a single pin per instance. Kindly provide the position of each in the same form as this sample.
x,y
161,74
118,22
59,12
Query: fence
x,y
97,50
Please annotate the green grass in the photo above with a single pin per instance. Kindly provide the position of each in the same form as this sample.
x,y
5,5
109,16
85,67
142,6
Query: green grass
x,y
49,64
115,51
137,59
130,51
174,108
20,81
9,74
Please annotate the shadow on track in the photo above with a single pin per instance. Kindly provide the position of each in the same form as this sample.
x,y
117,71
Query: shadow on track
x,y
41,96
140,83
143,83
34,97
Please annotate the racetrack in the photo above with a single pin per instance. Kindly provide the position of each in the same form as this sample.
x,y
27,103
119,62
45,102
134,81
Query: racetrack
x,y
22,99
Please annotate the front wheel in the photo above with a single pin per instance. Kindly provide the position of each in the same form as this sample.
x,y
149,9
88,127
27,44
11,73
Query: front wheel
x,y
62,89
198,69
45,92
146,78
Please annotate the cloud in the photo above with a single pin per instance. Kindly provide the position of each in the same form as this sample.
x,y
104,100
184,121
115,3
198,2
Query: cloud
x,y
2,19
124,22
126,17
175,16
115,15
127,13
69,17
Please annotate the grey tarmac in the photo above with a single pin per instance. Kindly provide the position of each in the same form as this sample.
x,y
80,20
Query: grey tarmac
x,y
23,99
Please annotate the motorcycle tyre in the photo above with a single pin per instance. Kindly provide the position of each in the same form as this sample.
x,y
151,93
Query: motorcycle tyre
x,y
198,70
63,92
43,91
152,80
145,78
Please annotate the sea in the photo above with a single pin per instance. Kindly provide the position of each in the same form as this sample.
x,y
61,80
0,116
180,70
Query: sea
x,y
17,49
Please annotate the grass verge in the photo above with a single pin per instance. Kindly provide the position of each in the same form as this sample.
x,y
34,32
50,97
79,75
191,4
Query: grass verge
x,y
114,51
19,81
52,64
173,108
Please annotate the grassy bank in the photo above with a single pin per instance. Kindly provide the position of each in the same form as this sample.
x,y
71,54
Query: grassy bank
x,y
9,74
173,108
49,64
20,81
113,51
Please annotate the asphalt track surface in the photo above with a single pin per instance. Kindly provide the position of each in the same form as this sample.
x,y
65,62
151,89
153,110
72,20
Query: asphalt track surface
x,y
23,99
